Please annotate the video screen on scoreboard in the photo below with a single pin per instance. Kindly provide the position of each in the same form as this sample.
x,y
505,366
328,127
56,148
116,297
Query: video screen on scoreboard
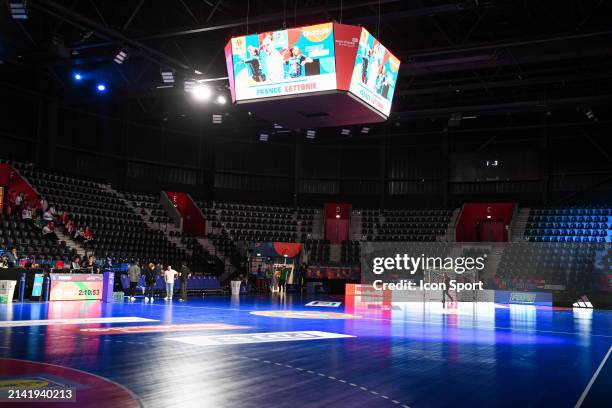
x,y
375,73
287,62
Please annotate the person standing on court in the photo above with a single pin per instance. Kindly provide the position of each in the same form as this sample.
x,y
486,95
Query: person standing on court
x,y
185,274
446,292
150,279
134,274
169,276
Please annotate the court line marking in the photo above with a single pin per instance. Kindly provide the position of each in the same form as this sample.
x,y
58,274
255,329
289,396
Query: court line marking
x,y
85,320
303,370
593,378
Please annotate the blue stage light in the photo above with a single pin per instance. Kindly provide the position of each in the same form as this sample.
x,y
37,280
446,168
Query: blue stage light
x,y
78,76
101,87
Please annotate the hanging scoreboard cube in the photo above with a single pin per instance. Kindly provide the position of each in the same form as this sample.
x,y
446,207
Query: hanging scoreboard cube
x,y
316,76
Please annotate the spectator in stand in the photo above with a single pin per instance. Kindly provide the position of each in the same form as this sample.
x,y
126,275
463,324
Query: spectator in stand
x,y
47,216
13,258
19,200
49,230
41,205
64,218
150,279
75,265
134,274
169,276
87,234
90,264
185,274
37,221
4,263
108,264
26,215
78,235
70,228
31,262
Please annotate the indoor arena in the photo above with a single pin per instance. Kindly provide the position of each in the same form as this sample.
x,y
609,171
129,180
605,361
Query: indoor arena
x,y
306,203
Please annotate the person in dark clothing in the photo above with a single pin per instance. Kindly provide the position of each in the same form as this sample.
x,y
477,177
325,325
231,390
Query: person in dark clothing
x,y
446,288
134,274
185,274
150,279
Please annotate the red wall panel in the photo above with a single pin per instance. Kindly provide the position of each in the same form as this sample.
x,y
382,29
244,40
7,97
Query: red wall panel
x,y
474,213
337,222
193,220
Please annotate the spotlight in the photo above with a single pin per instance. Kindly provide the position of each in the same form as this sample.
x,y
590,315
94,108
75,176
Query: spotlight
x,y
263,137
221,100
345,132
121,56
167,76
365,130
101,88
18,9
77,76
217,119
201,92
277,126
311,134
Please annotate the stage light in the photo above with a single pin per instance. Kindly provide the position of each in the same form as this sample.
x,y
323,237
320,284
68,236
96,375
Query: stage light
x,y
101,88
221,100
18,9
277,126
121,56
263,137
365,130
77,76
167,75
345,132
311,134
201,92
217,119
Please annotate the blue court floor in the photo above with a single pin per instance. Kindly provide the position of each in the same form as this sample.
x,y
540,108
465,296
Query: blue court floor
x,y
404,355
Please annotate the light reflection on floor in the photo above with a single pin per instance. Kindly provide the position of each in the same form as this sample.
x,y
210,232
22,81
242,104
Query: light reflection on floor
x,y
502,355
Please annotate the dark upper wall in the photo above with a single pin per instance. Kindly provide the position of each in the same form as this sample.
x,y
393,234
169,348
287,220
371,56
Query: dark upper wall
x,y
413,168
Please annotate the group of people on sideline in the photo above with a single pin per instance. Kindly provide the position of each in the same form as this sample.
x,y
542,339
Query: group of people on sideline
x,y
150,273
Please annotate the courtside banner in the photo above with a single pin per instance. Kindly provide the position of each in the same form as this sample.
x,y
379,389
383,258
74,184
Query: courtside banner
x,y
286,62
76,286
417,271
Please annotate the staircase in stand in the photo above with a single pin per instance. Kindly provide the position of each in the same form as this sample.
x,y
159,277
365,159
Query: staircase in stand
x,y
145,216
518,225
449,235
355,231
71,243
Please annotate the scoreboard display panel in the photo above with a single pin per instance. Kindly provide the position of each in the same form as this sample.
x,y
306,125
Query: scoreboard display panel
x,y
76,286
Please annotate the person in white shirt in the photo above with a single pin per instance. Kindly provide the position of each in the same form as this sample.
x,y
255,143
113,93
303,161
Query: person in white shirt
x,y
26,214
169,276
48,229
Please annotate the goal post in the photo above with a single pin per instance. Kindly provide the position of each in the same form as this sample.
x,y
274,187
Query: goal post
x,y
438,276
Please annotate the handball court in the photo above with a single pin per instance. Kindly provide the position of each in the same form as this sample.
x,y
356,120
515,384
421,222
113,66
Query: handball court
x,y
280,351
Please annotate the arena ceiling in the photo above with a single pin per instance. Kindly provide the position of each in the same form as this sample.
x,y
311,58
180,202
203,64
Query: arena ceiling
x,y
485,62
